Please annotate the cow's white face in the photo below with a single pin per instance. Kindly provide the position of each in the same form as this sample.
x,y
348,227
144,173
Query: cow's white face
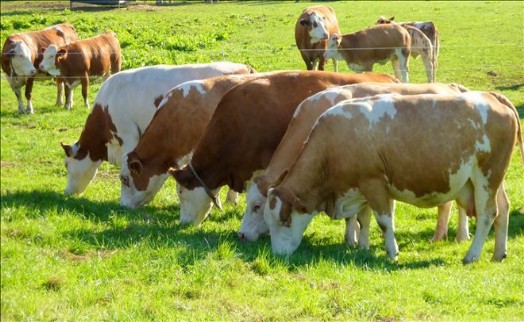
x,y
253,224
21,60
318,28
130,195
79,172
332,47
284,240
195,204
48,63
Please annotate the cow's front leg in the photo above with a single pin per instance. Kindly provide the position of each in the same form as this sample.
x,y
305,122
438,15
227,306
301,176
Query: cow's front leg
x,y
351,236
85,88
364,219
68,95
18,93
59,92
28,91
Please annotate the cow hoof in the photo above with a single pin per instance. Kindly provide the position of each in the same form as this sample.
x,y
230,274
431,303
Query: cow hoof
x,y
468,260
30,112
499,258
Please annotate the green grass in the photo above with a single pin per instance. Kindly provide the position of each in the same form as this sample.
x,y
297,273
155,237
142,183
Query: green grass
x,y
87,258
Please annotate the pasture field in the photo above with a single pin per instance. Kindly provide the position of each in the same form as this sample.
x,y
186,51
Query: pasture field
x,y
85,257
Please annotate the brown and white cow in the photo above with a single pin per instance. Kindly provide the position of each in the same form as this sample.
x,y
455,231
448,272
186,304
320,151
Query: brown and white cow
x,y
123,108
428,28
244,131
314,27
170,138
253,224
76,62
21,56
372,151
377,44
419,44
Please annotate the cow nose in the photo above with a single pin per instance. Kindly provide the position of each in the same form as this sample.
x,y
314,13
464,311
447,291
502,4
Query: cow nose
x,y
242,237
33,72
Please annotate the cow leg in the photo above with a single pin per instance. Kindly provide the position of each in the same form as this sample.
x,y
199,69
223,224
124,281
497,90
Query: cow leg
x,y
486,214
396,68
386,223
322,62
403,62
428,64
232,197
85,88
441,231
335,65
59,92
352,231
18,93
364,219
463,225
68,95
28,92
501,225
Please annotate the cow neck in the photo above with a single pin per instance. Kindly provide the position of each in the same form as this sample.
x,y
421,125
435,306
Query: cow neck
x,y
95,136
208,191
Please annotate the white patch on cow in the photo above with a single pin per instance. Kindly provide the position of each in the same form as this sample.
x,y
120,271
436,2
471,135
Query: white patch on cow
x,y
337,110
253,224
379,109
79,173
356,67
48,62
483,145
21,61
164,101
285,240
183,160
114,152
195,204
73,84
351,203
133,198
420,25
318,30
187,87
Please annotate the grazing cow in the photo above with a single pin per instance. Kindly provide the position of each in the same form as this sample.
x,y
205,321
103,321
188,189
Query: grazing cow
x,y
372,151
75,62
378,44
253,224
124,106
21,56
313,29
169,140
428,28
244,131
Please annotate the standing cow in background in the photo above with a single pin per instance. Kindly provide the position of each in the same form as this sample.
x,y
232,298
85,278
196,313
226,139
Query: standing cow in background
x,y
123,108
96,56
313,29
429,29
21,56
377,44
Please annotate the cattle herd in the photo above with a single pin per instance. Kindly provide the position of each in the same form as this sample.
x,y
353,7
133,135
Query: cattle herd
x,y
299,142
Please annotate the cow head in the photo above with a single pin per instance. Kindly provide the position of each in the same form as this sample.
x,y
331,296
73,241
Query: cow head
x,y
383,20
80,169
139,185
21,59
287,219
50,61
253,224
195,203
316,26
332,47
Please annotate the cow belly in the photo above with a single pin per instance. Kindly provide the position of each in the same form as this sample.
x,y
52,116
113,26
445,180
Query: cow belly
x,y
349,204
457,182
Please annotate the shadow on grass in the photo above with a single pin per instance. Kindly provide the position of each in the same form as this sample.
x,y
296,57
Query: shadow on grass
x,y
160,228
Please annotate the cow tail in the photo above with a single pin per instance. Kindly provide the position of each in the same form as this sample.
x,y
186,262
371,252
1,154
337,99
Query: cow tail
x,y
504,100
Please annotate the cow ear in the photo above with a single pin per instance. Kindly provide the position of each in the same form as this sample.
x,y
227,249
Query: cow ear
x,y
134,164
67,149
305,22
158,100
391,19
182,176
62,53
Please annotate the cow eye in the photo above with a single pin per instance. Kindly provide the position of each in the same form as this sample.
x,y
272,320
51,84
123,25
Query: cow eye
x,y
124,180
256,208
315,24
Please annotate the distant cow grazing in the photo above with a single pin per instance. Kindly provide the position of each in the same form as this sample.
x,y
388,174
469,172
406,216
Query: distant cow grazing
x,y
313,29
21,57
123,108
372,151
253,224
170,138
378,44
244,131
75,62
418,45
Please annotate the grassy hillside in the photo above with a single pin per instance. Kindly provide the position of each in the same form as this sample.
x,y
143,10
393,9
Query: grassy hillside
x,y
87,258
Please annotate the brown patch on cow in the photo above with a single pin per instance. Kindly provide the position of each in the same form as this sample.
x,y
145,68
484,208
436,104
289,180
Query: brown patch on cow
x,y
95,135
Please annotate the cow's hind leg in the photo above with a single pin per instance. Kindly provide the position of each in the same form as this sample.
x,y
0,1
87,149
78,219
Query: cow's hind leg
x,y
441,231
364,219
501,225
